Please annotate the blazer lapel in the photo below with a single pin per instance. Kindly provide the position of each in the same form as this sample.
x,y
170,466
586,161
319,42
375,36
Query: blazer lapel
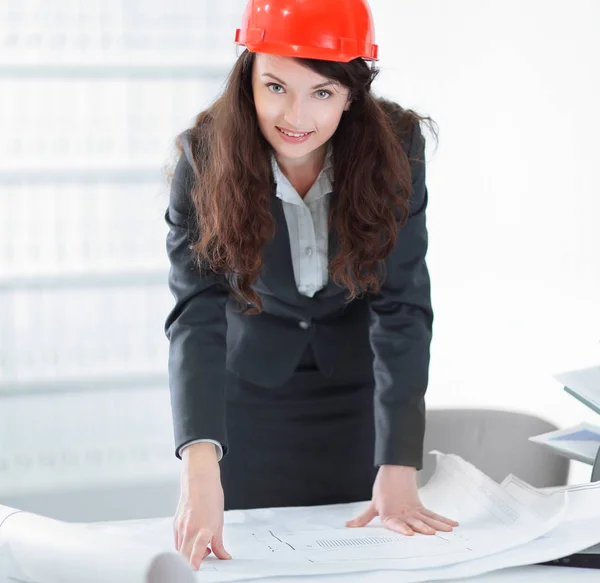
x,y
277,276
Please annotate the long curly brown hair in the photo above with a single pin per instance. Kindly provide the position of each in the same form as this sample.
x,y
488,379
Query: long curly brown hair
x,y
234,183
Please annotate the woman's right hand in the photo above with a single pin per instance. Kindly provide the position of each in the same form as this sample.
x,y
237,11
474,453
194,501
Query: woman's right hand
x,y
198,523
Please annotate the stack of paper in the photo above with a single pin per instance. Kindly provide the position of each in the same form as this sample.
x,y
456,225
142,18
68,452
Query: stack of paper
x,y
501,525
579,442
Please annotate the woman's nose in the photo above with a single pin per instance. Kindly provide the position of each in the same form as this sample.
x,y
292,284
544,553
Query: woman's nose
x,y
295,115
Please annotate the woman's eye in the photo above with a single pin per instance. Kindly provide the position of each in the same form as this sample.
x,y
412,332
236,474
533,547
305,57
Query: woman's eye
x,y
275,88
323,94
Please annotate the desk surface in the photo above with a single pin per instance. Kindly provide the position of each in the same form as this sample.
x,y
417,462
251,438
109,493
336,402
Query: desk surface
x,y
539,574
533,574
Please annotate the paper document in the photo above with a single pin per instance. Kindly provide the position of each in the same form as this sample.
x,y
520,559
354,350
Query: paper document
x,y
295,541
577,530
580,442
314,540
43,550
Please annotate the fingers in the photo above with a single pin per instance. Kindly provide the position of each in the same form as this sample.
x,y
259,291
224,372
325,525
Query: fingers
x,y
194,547
196,559
397,525
176,535
419,525
369,514
218,548
420,522
435,516
435,524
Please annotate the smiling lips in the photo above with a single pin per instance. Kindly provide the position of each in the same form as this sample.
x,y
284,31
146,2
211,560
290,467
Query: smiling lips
x,y
293,137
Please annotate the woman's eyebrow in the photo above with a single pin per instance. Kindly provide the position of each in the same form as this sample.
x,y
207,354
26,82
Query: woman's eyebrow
x,y
283,82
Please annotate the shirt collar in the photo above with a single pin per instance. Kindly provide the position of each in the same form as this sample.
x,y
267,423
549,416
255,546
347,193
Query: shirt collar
x,y
322,186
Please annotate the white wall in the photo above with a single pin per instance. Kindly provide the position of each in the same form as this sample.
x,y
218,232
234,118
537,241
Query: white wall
x,y
514,191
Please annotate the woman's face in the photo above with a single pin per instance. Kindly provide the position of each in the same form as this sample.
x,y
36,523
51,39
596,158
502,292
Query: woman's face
x,y
298,110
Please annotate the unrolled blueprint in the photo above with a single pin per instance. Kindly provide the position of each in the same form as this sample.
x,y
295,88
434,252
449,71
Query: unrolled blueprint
x,y
295,541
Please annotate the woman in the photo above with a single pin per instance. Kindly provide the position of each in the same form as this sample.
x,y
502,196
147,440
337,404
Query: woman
x,y
299,341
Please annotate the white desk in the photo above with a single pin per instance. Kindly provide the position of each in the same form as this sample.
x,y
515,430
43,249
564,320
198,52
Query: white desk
x,y
535,574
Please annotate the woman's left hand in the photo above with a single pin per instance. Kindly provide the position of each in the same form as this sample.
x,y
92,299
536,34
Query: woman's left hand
x,y
396,501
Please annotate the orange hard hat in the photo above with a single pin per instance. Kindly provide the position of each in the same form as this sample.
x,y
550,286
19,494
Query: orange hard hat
x,y
332,30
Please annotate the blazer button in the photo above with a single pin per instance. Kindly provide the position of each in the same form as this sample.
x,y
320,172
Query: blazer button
x,y
304,325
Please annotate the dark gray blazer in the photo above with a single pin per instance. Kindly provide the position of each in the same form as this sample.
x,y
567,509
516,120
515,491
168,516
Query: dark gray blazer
x,y
387,334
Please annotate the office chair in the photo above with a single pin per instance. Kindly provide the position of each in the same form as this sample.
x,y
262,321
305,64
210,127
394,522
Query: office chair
x,y
496,442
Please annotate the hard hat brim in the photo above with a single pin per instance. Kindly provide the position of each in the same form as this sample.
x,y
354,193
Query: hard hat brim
x,y
343,52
